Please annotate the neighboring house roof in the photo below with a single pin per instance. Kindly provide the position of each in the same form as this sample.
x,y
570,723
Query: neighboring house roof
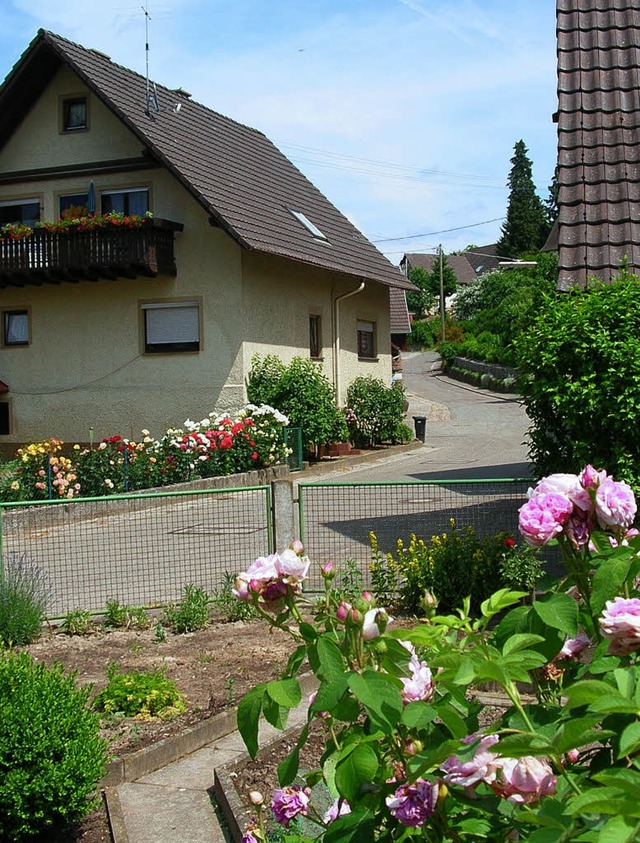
x,y
467,266
598,138
400,322
3,387
240,178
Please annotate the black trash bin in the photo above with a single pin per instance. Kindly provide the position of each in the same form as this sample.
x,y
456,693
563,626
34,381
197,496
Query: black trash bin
x,y
420,424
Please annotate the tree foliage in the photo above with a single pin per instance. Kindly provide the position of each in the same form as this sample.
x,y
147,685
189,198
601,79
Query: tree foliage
x,y
527,226
581,386
428,282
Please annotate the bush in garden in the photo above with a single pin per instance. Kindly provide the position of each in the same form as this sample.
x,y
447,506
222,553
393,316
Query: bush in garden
x,y
51,755
452,566
191,613
410,752
141,695
24,594
377,412
581,380
423,334
120,616
302,392
217,445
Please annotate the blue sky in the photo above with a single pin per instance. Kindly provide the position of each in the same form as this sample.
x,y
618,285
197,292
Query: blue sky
x,y
403,112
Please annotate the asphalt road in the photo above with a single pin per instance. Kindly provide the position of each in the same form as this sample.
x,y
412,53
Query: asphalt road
x,y
472,433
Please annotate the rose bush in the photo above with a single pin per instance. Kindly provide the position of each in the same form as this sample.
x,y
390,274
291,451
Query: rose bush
x,y
410,752
217,445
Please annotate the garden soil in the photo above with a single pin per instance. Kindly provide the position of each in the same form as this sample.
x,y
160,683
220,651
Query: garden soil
x,y
213,668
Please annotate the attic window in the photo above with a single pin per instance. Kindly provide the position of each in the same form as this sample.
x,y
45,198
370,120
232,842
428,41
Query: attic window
x,y
311,228
74,114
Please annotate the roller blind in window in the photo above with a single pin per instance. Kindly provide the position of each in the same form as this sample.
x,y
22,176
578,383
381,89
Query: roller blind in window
x,y
171,323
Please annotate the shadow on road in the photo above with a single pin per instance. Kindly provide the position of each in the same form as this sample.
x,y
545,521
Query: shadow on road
x,y
481,472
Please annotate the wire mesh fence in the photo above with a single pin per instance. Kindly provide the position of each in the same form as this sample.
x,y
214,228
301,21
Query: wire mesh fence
x,y
139,549
337,518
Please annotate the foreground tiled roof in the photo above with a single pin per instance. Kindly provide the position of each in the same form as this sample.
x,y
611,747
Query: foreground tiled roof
x,y
598,138
242,180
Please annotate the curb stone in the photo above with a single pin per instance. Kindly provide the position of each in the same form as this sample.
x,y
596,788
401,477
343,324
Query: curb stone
x,y
153,758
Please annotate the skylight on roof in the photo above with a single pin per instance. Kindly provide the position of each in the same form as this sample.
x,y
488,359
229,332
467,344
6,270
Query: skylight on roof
x,y
306,222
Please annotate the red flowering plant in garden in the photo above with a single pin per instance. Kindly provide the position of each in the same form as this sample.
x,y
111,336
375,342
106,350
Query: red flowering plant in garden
x,y
409,753
88,222
218,445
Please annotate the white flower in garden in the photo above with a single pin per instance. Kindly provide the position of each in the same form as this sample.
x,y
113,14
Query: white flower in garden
x,y
375,623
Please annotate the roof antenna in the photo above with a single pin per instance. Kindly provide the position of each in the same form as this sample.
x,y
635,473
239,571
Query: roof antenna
x,y
152,94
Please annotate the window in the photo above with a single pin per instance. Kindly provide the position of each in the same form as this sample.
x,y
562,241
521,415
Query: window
x,y
73,205
74,114
306,222
15,327
366,339
26,211
315,336
5,418
171,327
128,202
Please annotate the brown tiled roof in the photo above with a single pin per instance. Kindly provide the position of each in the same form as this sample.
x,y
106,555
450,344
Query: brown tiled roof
x,y
400,323
598,138
3,387
242,180
465,273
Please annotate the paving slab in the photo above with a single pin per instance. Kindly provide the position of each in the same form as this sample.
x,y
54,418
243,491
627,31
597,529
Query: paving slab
x,y
155,814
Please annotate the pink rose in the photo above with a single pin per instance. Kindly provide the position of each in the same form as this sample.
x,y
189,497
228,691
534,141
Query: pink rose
x,y
615,505
420,685
572,647
412,804
339,808
543,517
481,768
620,622
590,478
374,624
292,567
290,802
578,529
568,485
524,780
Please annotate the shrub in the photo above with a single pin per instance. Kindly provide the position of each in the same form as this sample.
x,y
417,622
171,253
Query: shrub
x,y
191,613
227,604
78,622
422,334
300,390
376,412
51,756
24,594
448,350
452,566
141,695
580,362
118,615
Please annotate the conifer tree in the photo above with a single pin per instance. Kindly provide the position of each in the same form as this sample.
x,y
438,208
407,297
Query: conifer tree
x,y
526,227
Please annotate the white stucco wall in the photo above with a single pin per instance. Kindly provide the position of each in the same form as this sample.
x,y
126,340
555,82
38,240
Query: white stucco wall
x,y
279,324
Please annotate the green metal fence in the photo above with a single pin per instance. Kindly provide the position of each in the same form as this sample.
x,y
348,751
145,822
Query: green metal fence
x,y
337,518
141,549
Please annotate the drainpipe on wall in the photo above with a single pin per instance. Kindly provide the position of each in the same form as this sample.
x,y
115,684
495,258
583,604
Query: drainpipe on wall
x,y
336,336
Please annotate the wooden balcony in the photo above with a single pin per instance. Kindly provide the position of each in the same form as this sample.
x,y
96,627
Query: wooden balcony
x,y
71,256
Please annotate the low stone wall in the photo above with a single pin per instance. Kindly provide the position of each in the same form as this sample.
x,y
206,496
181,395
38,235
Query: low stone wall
x,y
483,375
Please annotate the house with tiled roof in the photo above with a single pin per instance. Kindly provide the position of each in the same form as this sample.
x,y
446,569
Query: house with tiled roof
x,y
467,266
229,251
598,227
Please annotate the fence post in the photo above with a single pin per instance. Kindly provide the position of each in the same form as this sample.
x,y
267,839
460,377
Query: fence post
x,y
284,513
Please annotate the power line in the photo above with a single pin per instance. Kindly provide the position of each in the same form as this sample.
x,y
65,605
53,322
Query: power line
x,y
433,233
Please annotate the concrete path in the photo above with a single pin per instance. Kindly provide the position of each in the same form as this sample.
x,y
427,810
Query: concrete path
x,y
175,804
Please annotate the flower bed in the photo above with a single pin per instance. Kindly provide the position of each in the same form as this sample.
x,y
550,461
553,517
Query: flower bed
x,y
215,446
408,753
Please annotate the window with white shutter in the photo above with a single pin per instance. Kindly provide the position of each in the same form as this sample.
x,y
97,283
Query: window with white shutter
x,y
171,327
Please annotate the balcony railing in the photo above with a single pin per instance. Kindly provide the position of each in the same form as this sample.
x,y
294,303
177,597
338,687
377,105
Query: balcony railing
x,y
72,255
